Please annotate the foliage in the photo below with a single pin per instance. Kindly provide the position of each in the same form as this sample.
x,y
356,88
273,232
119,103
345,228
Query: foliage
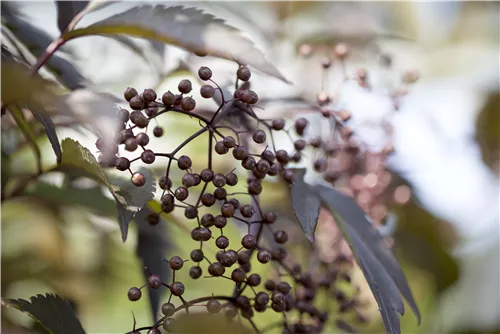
x,y
284,276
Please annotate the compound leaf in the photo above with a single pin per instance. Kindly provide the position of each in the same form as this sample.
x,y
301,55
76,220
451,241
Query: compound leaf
x,y
305,203
188,28
129,199
368,246
54,313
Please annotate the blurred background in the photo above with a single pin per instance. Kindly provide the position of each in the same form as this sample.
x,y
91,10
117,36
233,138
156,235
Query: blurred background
x,y
60,235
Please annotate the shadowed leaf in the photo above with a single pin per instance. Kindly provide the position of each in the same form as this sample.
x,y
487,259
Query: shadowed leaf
x,y
67,10
188,28
152,244
55,314
305,203
356,228
129,199
36,41
50,130
19,86
92,198
383,287
28,133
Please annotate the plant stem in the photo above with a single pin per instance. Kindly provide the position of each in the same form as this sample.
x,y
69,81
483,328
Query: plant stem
x,y
45,56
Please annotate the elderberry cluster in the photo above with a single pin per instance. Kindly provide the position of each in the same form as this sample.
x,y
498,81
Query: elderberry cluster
x,y
293,289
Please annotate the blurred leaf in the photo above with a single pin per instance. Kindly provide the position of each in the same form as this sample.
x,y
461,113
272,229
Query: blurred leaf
x,y
129,199
36,41
28,133
97,5
188,28
92,198
53,313
356,227
423,240
50,130
5,172
20,86
381,284
152,244
141,51
207,323
488,131
67,73
67,10
305,203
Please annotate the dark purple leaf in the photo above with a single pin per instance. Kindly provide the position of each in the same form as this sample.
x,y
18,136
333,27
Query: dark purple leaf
x,y
152,244
67,10
188,28
50,130
55,314
367,244
305,203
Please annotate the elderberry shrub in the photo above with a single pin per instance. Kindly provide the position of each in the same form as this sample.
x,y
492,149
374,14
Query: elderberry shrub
x,y
292,286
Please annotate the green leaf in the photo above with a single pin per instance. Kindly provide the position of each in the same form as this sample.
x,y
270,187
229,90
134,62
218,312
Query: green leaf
x,y
129,199
28,133
305,204
54,313
365,243
67,10
92,199
188,28
50,130
20,86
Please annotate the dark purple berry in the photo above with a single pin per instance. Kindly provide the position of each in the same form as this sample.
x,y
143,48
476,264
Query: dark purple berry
x,y
216,269
138,179
177,288
137,103
168,98
184,162
185,86
153,218
122,164
176,262
205,73
188,103
207,91
158,131
181,193
195,272
149,95
154,281
249,241
148,157
222,242
197,255
243,73
168,309
259,136
213,306
142,139
130,93
134,294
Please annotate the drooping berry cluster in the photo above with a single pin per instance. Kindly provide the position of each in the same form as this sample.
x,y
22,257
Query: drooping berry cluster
x,y
294,288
